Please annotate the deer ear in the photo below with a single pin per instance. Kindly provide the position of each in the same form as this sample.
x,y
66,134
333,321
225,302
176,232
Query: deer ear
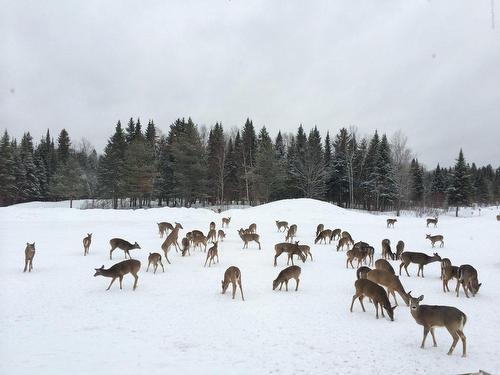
x,y
27,243
102,267
421,297
393,307
33,244
409,293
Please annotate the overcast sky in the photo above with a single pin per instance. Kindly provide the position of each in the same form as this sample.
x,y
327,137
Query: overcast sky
x,y
429,68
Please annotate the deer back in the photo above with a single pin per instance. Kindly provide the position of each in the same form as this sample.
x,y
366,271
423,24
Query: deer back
x,y
382,264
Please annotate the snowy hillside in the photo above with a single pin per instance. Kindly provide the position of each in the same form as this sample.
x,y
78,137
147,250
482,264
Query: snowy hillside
x,y
60,319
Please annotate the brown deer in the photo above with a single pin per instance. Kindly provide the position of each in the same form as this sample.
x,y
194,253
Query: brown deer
x,y
291,249
344,241
198,240
282,224
233,276
291,233
306,250
421,259
390,222
211,254
319,229
248,237
448,273
431,316
400,247
185,246
361,272
323,236
369,250
122,244
335,234
390,281
435,239
164,227
467,277
29,254
86,243
226,221
382,264
221,235
445,262
367,288
498,217
386,249
292,272
119,270
212,234
355,253
346,234
171,240
212,225
252,228
154,259
194,233
432,221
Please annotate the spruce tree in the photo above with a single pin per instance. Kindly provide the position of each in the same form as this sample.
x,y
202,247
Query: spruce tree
x,y
459,191
387,181
63,146
7,168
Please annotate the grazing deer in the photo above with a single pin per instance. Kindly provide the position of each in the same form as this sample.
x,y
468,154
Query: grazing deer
x,y
386,250
390,281
212,225
233,276
467,277
361,272
335,234
346,234
319,229
355,253
292,232
445,262
120,269
282,224
306,250
248,237
344,241
221,235
211,254
164,227
193,234
323,236
155,259
212,234
122,244
431,316
448,273
432,221
185,246
435,239
226,221
291,249
252,228
382,264
198,240
400,247
172,240
369,250
367,288
421,259
86,243
292,272
390,222
29,254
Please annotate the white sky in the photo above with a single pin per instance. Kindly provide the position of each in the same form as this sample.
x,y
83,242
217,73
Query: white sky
x,y
430,68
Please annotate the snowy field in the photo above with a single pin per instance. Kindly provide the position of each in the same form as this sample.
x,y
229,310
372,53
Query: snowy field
x,y
59,319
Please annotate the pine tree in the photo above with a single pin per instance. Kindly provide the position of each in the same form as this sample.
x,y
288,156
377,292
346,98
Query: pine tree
x,y
387,181
31,188
63,145
417,182
249,143
459,191
438,187
130,131
7,168
370,184
217,163
267,175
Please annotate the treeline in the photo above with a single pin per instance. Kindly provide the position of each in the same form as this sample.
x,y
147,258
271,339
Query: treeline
x,y
141,168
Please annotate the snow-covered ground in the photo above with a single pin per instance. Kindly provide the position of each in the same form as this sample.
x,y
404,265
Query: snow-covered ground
x,y
59,319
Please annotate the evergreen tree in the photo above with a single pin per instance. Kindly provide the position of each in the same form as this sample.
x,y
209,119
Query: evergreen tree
x,y
130,131
217,171
267,173
438,187
249,143
7,171
459,191
417,182
387,181
31,188
63,145
370,183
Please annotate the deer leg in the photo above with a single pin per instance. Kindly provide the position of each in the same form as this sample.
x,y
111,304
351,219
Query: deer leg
x,y
121,279
291,257
394,295
433,338
376,308
286,285
354,299
148,266
217,258
111,253
206,260
135,282
442,244
259,244
234,289
166,257
31,265
465,289
464,343
455,336
288,260
422,271
281,285
275,257
406,269
25,265
163,268
241,290
297,287
111,283
156,267
426,331
457,288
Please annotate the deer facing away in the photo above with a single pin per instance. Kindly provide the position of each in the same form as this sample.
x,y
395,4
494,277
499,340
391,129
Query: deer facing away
x,y
291,233
467,277
212,253
119,270
122,244
292,272
86,243
155,259
232,276
29,254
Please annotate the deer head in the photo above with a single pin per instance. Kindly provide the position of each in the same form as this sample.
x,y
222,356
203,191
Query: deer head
x,y
98,271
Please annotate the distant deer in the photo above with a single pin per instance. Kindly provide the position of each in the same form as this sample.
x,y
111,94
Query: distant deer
x,y
367,288
292,272
467,277
390,281
319,229
154,259
252,228
323,236
119,270
164,227
29,254
171,240
421,259
194,233
369,251
212,234
430,316
335,234
226,221
211,254
199,240
382,264
86,243
233,276
306,250
361,272
355,253
291,233
432,221
185,246
282,224
248,237
291,249
498,217
122,244
344,241
221,235
386,250
400,247
390,222
448,273
346,234
435,239
212,225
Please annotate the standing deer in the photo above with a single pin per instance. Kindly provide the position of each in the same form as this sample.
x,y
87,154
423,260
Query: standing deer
x,y
323,236
164,227
211,254
386,249
435,239
445,262
171,240
361,272
400,247
448,273
467,277
291,249
355,253
185,246
248,237
29,254
432,221
292,232
319,229
122,244
252,228
382,264
421,259
212,225
212,234
233,276
335,234
306,250
344,241
369,250
390,281
367,288
226,221
431,316
221,235
282,224
292,272
390,222
346,234
154,259
86,243
119,270
198,240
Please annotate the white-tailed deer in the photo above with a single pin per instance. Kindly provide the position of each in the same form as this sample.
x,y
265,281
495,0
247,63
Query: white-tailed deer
x,y
164,227
448,273
431,316
199,239
390,281
211,254
291,249
212,225
386,250
355,253
119,270
155,259
382,264
367,288
445,262
29,254
292,272
432,221
400,247
336,234
467,277
435,239
319,229
421,259
233,276
361,272
323,236
306,250
248,237
226,221
346,234
86,243
282,224
221,235
369,250
498,217
171,240
390,222
291,233
211,236
122,244
344,241
252,228
185,246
